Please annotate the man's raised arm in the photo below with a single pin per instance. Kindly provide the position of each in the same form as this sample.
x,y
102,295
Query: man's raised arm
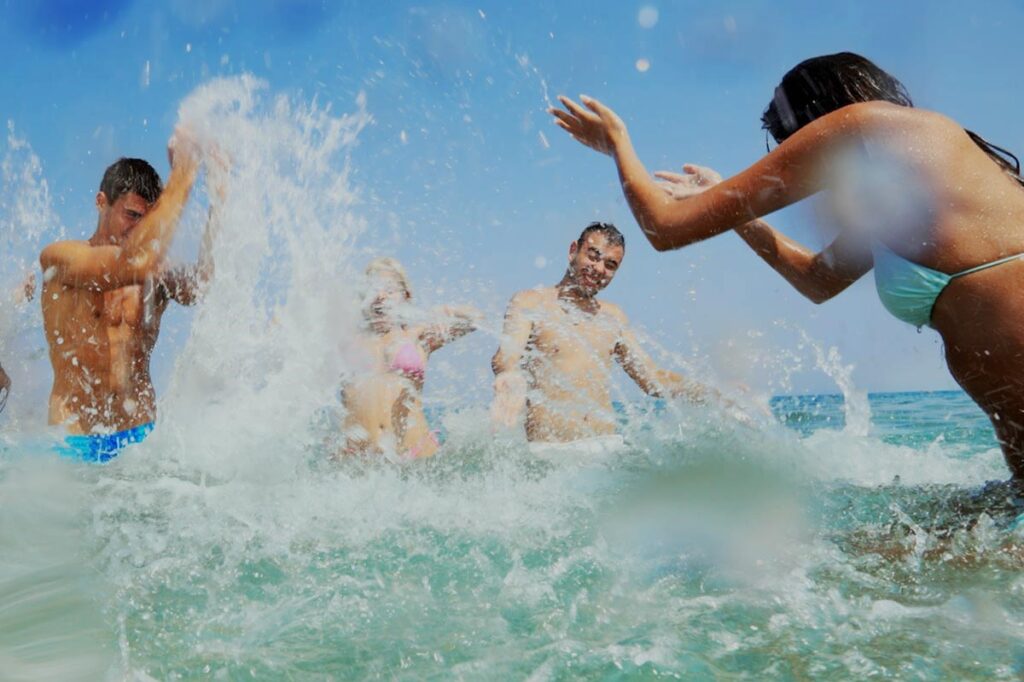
x,y
105,267
509,381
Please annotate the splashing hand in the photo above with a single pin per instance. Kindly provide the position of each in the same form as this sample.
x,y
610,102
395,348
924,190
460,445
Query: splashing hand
x,y
182,148
27,290
218,168
600,128
509,400
693,180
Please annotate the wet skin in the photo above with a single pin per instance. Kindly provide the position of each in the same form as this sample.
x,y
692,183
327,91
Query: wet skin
x,y
102,302
971,212
384,406
559,345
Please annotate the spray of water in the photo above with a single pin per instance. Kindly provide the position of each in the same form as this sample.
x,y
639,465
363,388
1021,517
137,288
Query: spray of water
x,y
26,217
228,545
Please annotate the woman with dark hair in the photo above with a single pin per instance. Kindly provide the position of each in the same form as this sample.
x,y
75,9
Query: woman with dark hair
x,y
936,210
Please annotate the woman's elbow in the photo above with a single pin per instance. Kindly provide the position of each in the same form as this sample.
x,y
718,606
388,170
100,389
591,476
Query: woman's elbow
x,y
660,245
818,294
662,242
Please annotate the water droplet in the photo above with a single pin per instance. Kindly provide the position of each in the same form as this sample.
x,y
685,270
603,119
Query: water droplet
x,y
647,17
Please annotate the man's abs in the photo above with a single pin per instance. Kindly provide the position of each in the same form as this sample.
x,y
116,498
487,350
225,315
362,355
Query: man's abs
x,y
99,348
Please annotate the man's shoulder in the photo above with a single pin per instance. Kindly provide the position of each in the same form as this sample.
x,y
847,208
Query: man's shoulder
x,y
66,243
62,250
532,298
612,309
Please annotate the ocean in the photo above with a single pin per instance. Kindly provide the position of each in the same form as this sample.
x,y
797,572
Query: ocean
x,y
706,549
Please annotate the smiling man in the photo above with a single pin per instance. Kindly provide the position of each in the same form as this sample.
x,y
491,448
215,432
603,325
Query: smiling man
x,y
103,300
558,347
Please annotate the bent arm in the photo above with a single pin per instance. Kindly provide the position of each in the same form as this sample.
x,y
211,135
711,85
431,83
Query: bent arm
x,y
818,276
652,380
458,321
792,171
81,265
187,284
509,380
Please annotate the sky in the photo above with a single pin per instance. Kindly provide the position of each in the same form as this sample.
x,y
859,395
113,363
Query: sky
x,y
461,173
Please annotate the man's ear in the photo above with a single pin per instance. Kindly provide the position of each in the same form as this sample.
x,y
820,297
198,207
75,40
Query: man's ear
x,y
101,201
573,248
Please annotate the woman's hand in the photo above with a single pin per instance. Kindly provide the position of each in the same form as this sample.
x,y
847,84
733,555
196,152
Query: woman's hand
x,y
600,128
693,180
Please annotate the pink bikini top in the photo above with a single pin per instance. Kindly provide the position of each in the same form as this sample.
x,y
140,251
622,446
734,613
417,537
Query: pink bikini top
x,y
409,362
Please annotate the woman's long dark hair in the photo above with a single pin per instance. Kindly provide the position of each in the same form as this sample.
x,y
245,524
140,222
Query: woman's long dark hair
x,y
820,85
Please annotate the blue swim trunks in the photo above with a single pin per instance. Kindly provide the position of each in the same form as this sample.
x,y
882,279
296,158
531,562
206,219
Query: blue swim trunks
x,y
103,447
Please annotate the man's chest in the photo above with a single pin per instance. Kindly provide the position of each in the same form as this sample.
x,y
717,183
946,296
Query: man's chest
x,y
575,334
95,318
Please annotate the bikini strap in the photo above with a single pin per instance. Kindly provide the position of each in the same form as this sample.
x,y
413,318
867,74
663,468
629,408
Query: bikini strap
x,y
985,266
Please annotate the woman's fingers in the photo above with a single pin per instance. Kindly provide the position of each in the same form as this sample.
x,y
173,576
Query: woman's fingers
x,y
576,109
595,106
703,174
561,116
671,177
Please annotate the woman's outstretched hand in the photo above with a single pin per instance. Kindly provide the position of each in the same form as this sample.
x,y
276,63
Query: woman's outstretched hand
x,y
596,126
693,180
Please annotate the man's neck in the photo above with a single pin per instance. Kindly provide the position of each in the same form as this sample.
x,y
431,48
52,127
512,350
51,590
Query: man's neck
x,y
99,239
571,292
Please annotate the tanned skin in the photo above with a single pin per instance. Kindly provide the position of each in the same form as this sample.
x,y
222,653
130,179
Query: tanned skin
x,y
975,215
103,300
559,345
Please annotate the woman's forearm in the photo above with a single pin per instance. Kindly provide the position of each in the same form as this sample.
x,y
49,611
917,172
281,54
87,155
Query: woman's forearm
x,y
670,222
799,265
642,194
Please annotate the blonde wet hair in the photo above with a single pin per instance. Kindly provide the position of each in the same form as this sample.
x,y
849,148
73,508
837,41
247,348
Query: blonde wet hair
x,y
386,265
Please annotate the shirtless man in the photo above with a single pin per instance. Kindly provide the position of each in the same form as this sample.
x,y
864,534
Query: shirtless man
x,y
558,346
103,300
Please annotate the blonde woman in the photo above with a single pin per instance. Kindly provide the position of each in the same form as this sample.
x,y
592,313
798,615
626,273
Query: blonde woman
x,y
384,401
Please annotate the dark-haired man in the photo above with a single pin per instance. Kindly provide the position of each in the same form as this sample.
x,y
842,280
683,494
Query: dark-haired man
x,y
557,350
103,299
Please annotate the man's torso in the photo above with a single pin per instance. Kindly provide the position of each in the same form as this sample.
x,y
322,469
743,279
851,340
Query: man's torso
x,y
100,344
568,364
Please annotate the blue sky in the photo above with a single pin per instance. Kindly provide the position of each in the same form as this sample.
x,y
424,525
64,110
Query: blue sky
x,y
463,176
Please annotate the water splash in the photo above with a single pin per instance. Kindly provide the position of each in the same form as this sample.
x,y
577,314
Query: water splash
x,y
26,217
264,350
855,401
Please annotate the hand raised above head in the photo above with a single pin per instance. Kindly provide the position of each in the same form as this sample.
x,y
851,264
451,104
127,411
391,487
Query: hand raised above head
x,y
595,126
183,148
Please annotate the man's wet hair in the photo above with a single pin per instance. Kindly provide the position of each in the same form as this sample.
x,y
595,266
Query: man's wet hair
x,y
131,175
610,232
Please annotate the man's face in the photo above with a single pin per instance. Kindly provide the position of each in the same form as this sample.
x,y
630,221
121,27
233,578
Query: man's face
x,y
594,264
119,218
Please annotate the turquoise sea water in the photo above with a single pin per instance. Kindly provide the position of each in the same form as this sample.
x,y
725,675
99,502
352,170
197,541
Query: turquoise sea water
x,y
706,550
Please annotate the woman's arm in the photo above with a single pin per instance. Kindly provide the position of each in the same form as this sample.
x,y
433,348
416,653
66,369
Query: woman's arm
x,y
793,171
457,322
818,276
